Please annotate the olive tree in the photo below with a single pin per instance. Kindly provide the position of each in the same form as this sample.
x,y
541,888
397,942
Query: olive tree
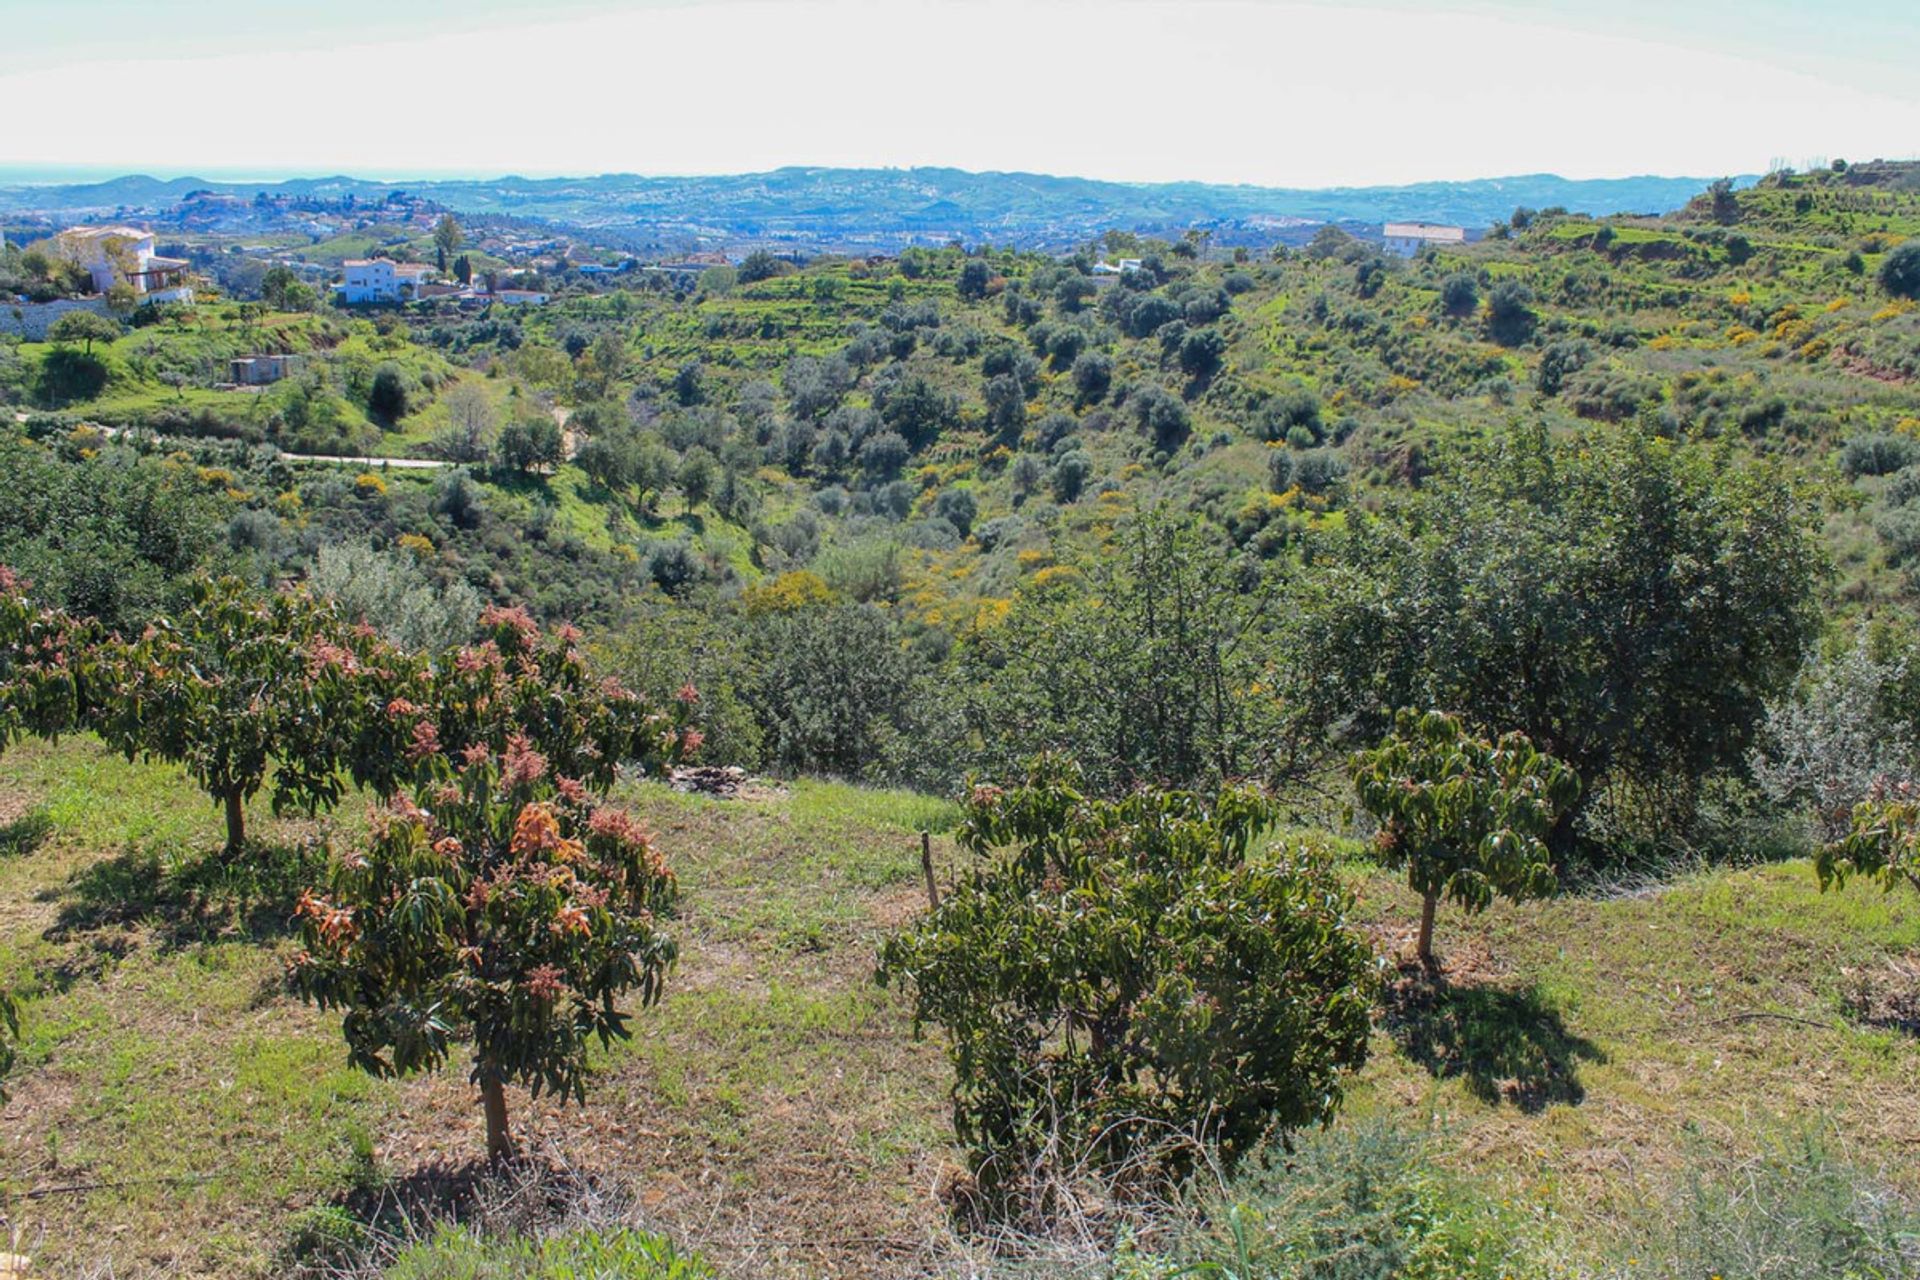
x,y
1900,270
1466,817
1631,605
1112,974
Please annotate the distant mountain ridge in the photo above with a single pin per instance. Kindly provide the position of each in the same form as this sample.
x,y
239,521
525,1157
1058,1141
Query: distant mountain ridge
x,y
828,203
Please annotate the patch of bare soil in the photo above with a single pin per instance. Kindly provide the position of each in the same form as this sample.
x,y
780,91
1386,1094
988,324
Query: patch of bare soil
x,y
729,782
1887,997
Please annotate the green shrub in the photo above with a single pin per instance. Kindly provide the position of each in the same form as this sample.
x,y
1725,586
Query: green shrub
x,y
1795,1212
1119,978
1878,453
1356,1202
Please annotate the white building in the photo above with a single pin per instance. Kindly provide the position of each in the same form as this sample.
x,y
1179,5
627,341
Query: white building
x,y
1120,268
125,255
380,280
519,297
1408,238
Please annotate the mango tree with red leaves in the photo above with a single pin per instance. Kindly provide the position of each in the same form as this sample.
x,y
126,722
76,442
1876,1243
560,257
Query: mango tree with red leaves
x,y
228,689
46,661
498,901
518,679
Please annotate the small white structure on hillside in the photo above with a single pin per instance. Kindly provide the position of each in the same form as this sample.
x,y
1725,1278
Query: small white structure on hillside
x,y
1408,238
380,280
1120,268
125,255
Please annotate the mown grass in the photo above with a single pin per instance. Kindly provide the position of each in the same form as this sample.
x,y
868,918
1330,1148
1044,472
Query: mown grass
x,y
775,1114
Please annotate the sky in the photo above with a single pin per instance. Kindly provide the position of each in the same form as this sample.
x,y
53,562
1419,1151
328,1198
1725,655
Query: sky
x,y
1267,92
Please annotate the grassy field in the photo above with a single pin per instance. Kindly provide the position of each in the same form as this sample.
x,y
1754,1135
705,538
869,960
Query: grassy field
x,y
174,1112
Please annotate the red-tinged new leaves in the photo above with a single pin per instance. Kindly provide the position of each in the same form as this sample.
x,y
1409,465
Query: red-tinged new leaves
x,y
1883,844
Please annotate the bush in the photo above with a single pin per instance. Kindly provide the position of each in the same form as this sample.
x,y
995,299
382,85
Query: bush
x,y
1878,453
1361,1201
837,693
387,397
1829,744
1116,975
1069,476
1510,317
958,508
1092,375
1459,294
1796,1212
1318,470
1900,270
1146,666
1632,606
393,594
1295,410
1161,416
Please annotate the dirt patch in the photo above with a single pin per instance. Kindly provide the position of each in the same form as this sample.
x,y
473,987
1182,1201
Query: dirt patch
x,y
1887,997
728,782
1867,369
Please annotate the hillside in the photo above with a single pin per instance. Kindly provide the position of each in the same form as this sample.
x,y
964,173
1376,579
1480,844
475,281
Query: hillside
x,y
1197,520
849,207
177,1113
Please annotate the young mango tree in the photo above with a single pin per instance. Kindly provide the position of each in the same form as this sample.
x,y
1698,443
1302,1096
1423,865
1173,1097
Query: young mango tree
x,y
226,688
46,660
1882,845
1113,974
1466,817
499,901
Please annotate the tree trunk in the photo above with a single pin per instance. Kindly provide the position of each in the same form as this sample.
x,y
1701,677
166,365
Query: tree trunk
x,y
1424,947
236,823
493,1099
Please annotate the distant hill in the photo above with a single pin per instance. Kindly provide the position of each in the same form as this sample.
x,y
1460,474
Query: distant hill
x,y
849,205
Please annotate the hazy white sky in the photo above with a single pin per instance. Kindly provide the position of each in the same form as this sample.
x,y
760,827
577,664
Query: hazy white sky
x,y
1259,91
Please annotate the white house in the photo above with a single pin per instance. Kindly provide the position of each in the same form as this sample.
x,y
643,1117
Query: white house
x,y
380,280
1120,268
1408,238
125,255
519,297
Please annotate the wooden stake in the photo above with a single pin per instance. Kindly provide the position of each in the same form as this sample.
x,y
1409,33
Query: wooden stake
x,y
926,867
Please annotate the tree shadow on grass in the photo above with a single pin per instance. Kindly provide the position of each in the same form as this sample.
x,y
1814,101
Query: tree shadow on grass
x,y
25,833
173,899
379,1213
1507,1043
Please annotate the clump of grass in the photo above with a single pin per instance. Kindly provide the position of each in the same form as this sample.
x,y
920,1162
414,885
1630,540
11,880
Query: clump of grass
x,y
457,1253
1793,1212
1359,1201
